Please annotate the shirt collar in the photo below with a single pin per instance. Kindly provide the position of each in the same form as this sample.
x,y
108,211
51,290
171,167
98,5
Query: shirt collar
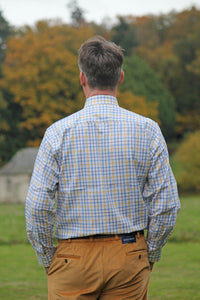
x,y
101,100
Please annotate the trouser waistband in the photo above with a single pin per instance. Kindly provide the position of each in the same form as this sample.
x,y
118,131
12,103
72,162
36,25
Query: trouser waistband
x,y
124,237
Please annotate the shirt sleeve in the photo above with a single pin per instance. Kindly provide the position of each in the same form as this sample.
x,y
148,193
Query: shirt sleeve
x,y
40,202
161,195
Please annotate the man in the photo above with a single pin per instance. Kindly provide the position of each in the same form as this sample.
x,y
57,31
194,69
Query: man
x,y
111,172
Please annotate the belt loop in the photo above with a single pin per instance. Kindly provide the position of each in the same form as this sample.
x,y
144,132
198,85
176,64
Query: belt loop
x,y
138,234
91,239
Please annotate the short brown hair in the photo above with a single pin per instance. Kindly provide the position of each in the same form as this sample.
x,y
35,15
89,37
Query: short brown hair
x,y
101,62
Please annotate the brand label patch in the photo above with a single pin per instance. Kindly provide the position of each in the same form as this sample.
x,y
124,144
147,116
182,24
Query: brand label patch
x,y
128,239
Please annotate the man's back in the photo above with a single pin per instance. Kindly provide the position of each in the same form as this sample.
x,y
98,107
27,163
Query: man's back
x,y
103,156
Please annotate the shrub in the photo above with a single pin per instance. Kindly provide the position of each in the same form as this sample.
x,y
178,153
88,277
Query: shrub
x,y
186,163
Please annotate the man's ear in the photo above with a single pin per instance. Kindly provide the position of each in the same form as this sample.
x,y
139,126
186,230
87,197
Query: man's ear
x,y
121,77
82,78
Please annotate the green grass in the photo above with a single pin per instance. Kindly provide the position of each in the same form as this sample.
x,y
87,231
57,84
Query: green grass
x,y
188,222
12,224
175,277
20,275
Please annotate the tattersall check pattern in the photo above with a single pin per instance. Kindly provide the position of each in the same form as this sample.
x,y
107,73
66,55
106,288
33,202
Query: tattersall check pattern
x,y
111,172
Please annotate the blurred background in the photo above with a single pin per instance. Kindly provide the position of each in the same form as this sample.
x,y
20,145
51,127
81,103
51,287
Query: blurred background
x,y
39,84
39,76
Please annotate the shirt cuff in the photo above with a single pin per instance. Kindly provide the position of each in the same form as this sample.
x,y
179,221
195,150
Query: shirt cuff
x,y
46,259
154,255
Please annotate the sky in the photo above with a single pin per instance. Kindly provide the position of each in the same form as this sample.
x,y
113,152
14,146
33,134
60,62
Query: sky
x,y
27,12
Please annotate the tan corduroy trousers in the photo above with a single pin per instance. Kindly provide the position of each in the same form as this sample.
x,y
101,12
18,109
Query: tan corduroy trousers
x,y
99,268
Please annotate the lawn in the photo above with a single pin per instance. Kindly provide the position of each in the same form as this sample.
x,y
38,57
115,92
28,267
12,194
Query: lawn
x,y
175,277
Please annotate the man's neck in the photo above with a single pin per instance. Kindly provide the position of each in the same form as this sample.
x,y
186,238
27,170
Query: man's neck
x,y
91,93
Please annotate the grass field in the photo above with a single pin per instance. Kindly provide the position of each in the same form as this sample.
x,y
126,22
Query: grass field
x,y
175,277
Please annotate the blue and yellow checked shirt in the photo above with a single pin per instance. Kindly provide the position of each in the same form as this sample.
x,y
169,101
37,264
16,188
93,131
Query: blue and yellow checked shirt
x,y
110,169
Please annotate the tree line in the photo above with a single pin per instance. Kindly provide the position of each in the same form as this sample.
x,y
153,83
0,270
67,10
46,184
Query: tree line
x,y
39,76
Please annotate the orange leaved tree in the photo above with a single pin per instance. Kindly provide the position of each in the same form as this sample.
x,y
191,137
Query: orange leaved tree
x,y
41,74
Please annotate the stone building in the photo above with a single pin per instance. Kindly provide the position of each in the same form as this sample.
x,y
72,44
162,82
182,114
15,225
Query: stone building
x,y
15,176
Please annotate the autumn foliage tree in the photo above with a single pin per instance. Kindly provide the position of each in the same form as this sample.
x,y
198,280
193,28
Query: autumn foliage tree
x,y
139,105
39,83
172,50
41,74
